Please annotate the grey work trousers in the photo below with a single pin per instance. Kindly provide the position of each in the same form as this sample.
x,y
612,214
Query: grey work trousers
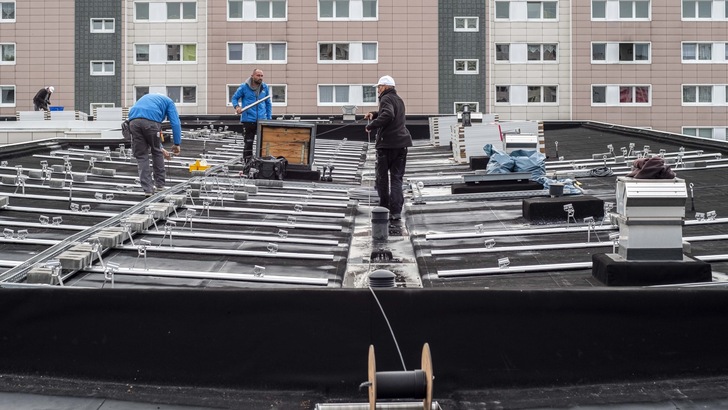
x,y
389,175
145,139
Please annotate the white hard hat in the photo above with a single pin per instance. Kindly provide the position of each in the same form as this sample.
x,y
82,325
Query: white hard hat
x,y
385,80
51,89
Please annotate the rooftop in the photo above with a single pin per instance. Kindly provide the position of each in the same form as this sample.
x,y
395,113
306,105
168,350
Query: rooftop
x,y
241,285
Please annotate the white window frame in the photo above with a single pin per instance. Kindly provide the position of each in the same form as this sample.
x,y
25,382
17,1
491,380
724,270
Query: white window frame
x,y
15,93
181,91
541,51
466,71
15,53
474,106
249,49
696,10
465,27
104,67
356,11
181,53
541,11
231,88
104,22
697,59
356,53
249,11
612,10
518,95
355,95
136,91
495,50
612,53
718,95
12,20
181,18
612,95
697,131
136,17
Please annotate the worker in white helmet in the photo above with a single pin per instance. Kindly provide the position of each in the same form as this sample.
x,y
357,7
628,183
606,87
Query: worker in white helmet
x,y
42,99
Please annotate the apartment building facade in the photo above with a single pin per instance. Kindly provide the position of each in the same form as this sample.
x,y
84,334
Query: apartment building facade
x,y
641,63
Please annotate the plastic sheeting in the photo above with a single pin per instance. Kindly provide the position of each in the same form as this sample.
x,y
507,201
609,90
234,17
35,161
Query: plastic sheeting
x,y
525,161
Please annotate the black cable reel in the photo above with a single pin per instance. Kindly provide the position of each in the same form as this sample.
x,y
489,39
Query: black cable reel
x,y
408,384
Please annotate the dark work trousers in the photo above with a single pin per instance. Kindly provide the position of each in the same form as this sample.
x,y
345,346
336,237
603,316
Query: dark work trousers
x,y
145,139
249,131
389,174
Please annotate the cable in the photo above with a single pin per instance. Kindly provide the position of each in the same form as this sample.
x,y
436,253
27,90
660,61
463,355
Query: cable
x,y
390,328
601,172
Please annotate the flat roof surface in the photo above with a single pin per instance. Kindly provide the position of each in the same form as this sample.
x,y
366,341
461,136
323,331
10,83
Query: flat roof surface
x,y
222,230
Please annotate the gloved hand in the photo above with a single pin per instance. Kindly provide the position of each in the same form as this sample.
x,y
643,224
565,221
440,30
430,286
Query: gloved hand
x,y
176,149
166,154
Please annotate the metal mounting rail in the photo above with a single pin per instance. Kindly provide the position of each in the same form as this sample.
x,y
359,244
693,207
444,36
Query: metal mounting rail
x,y
516,232
31,241
487,195
574,245
268,211
514,269
255,238
77,199
5,222
275,224
294,280
60,211
229,252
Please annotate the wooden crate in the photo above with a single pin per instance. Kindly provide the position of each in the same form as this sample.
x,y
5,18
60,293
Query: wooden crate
x,y
292,140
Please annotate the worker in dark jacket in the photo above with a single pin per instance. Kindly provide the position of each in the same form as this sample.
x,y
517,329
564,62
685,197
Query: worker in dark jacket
x,y
392,141
145,123
249,92
42,99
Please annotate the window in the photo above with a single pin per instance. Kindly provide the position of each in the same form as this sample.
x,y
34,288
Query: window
x,y
333,8
337,95
634,51
466,24
697,52
472,107
7,95
7,51
541,10
347,9
141,11
270,52
697,94
502,94
599,52
698,132
620,95
182,11
7,14
182,94
256,52
634,9
599,94
599,9
701,9
182,52
141,53
466,66
542,94
502,52
102,25
278,94
102,68
541,52
140,92
269,9
634,94
347,52
620,53
502,9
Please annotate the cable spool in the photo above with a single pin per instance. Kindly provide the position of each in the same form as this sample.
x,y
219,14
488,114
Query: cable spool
x,y
416,384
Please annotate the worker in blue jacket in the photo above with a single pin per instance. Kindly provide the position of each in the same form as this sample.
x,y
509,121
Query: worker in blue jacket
x,y
145,124
252,90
